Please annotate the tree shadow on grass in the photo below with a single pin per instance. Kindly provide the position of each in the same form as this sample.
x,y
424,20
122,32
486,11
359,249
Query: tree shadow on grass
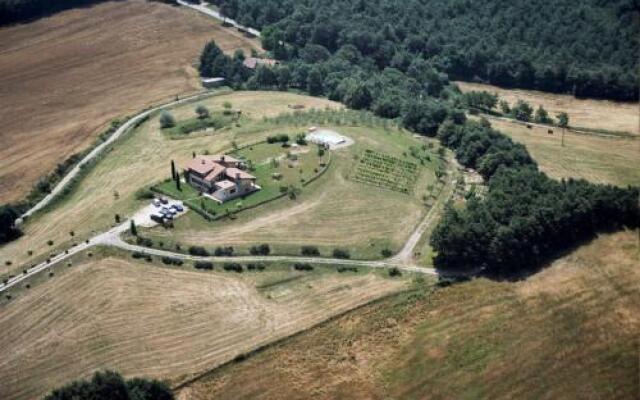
x,y
452,276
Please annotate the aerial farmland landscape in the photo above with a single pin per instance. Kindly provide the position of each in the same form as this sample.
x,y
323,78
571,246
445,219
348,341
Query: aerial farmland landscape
x,y
337,199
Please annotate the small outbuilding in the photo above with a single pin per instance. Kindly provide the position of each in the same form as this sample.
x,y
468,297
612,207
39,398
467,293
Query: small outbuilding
x,y
210,83
327,138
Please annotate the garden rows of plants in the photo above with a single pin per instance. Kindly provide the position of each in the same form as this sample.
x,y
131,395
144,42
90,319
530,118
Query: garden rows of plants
x,y
385,171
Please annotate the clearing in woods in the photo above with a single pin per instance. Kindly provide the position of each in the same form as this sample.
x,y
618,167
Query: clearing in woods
x,y
614,160
64,78
139,160
583,113
570,331
170,323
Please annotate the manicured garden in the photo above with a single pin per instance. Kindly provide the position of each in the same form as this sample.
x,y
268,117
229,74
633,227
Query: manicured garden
x,y
280,170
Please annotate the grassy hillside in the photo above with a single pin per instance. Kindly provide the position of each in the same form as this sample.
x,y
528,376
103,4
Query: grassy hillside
x,y
170,323
569,332
64,78
337,210
137,161
597,159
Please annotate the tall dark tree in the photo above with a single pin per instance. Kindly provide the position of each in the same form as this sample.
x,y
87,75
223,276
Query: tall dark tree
x,y
8,230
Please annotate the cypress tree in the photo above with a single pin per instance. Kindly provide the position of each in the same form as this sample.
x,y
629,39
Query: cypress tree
x,y
133,229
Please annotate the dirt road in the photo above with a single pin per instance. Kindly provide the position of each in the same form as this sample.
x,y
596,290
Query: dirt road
x,y
406,254
100,148
215,14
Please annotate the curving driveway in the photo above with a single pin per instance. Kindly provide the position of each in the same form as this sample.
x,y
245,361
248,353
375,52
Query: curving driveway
x,y
102,146
403,260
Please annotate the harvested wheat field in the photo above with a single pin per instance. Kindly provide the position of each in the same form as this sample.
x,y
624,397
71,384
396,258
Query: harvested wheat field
x,y
583,113
571,331
137,161
65,77
145,320
613,160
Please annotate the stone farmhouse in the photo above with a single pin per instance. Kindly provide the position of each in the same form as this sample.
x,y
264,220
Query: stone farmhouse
x,y
220,177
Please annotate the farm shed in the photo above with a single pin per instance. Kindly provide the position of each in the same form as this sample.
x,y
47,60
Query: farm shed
x,y
212,82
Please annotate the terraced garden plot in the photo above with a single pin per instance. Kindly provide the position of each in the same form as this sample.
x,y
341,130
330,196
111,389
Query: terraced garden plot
x,y
385,171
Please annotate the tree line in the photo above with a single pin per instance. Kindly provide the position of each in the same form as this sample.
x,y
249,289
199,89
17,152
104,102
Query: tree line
x,y
109,385
416,97
526,218
587,48
521,110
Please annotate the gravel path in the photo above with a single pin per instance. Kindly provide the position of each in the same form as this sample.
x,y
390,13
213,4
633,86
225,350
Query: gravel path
x,y
215,14
101,147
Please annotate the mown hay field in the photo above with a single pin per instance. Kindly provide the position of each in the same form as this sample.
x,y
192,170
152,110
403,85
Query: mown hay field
x,y
569,332
583,113
137,161
64,78
614,160
170,323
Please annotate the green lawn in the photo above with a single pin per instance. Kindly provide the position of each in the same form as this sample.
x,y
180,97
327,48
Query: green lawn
x,y
216,120
334,211
275,167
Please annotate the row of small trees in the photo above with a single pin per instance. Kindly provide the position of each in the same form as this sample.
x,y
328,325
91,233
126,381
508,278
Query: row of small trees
x,y
167,120
521,110
110,385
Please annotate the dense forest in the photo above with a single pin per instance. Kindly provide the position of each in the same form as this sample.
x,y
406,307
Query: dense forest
x,y
526,218
588,48
110,385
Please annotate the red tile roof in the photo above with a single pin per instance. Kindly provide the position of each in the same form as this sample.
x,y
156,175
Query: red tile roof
x,y
233,173
215,172
210,167
225,184
201,165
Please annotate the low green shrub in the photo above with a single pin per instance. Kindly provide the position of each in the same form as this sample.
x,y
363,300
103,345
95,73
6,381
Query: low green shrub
x,y
341,253
198,251
236,267
171,261
309,251
203,265
303,267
